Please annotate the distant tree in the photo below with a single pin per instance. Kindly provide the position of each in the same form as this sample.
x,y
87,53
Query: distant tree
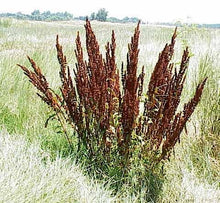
x,y
130,20
114,20
81,18
21,16
68,16
102,15
46,13
92,16
35,13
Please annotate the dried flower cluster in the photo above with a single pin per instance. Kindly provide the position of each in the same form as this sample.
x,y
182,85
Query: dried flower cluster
x,y
132,90
162,126
105,116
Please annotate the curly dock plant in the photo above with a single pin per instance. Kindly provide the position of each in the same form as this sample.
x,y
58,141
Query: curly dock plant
x,y
105,113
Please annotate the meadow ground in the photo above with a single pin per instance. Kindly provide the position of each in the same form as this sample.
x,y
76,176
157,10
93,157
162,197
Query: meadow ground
x,y
192,175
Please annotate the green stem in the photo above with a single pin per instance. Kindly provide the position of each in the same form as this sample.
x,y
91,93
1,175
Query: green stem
x,y
65,131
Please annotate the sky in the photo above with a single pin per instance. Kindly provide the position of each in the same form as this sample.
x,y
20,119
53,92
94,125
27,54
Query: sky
x,y
192,11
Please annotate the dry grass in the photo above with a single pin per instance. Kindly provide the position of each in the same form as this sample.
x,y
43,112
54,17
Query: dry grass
x,y
27,174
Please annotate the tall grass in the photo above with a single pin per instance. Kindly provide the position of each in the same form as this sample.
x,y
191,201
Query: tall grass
x,y
27,174
205,152
5,22
22,113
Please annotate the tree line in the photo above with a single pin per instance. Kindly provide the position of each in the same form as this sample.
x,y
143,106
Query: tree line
x,y
40,16
100,15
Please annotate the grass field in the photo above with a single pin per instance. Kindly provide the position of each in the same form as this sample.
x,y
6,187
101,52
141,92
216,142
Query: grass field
x,y
192,175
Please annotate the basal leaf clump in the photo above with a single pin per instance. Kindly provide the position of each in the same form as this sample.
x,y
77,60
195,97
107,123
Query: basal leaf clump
x,y
102,105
